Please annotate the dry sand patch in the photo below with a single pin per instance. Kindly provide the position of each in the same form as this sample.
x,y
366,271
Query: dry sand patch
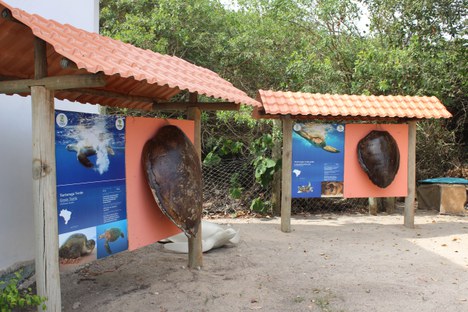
x,y
327,263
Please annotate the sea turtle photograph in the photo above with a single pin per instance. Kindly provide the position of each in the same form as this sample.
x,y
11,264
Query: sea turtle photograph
x,y
84,151
110,236
315,135
91,146
76,245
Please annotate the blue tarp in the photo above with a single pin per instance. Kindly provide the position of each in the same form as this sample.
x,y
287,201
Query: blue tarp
x,y
444,181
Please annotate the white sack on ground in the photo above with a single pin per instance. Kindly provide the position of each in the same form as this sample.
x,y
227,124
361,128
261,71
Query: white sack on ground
x,y
213,236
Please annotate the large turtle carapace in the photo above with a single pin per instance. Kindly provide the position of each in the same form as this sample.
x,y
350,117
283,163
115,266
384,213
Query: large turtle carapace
x,y
173,171
379,157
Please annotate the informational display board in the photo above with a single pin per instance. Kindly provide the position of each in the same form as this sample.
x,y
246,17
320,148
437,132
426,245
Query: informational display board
x,y
317,160
91,189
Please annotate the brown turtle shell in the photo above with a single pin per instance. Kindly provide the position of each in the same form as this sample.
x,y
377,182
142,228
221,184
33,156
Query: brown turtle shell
x,y
173,172
379,157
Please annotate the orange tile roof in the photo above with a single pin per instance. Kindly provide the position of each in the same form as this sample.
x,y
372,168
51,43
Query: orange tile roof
x,y
303,104
129,70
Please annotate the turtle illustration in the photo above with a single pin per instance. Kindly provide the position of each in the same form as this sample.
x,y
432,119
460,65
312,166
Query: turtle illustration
x,y
84,151
111,235
317,140
75,246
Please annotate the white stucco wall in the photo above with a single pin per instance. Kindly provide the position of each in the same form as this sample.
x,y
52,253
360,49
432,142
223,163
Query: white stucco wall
x,y
16,213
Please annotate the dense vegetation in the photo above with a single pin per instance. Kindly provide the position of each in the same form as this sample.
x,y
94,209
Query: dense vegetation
x,y
390,47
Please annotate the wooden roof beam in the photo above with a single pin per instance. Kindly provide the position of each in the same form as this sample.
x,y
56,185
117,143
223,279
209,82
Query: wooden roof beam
x,y
206,106
160,106
193,103
53,83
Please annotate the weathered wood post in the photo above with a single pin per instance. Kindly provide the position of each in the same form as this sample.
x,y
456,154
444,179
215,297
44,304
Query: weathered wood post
x,y
286,175
409,200
373,206
276,183
389,204
377,204
195,243
44,185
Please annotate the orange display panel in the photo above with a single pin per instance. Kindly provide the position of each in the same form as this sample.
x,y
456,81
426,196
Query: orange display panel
x,y
356,181
146,223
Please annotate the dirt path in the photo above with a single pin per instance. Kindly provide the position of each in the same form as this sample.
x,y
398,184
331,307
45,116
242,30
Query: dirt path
x,y
328,263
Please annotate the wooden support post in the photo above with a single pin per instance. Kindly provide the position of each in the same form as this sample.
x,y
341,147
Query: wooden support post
x,y
380,204
276,183
373,205
286,172
44,186
409,200
389,204
195,243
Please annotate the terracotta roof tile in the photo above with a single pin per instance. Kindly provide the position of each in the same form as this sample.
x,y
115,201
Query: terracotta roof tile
x,y
298,103
94,53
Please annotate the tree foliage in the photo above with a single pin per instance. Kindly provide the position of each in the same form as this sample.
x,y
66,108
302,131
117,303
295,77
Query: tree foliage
x,y
409,47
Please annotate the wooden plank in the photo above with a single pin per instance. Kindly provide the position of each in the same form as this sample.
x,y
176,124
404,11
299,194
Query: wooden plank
x,y
409,200
53,83
195,260
202,106
286,173
45,188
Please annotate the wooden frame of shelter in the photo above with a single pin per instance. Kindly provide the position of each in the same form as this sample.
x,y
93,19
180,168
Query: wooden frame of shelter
x,y
48,60
306,106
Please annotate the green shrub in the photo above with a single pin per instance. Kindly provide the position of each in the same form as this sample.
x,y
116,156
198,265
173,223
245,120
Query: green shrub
x,y
13,298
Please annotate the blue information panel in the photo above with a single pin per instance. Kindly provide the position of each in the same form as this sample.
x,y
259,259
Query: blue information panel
x,y
317,160
91,194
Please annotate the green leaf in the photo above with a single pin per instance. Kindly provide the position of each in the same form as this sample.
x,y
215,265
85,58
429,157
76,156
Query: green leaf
x,y
257,205
235,192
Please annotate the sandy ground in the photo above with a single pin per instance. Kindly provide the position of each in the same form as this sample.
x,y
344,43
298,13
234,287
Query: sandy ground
x,y
327,263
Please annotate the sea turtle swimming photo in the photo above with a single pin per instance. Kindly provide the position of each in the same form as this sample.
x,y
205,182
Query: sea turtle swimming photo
x,y
111,235
83,151
75,246
315,138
